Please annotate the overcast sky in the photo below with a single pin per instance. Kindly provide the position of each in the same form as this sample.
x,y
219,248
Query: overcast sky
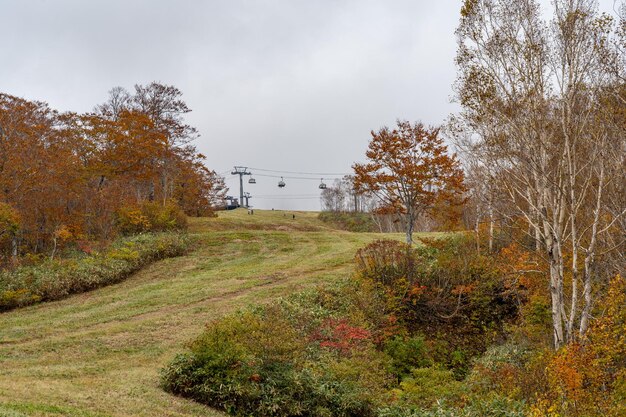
x,y
279,85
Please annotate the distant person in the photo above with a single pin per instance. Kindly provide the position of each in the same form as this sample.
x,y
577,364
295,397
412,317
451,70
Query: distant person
x,y
294,216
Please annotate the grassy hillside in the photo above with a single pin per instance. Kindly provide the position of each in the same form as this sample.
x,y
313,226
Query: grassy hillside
x,y
99,353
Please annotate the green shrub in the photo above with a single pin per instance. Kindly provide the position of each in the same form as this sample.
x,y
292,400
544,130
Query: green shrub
x,y
427,386
495,406
487,407
311,354
55,279
406,353
537,312
350,221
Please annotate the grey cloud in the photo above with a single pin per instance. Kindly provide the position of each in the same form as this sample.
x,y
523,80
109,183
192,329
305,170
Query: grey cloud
x,y
285,85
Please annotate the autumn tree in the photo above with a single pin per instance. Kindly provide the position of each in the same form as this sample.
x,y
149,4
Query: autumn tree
x,y
163,104
163,108
198,189
40,170
66,177
535,121
409,170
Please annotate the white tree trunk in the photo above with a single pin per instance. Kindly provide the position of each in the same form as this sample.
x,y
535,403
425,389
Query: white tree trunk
x,y
555,294
491,225
14,247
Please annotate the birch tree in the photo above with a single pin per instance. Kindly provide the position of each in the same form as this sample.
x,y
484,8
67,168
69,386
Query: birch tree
x,y
532,94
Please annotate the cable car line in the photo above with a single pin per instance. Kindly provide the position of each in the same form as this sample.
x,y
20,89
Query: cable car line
x,y
241,171
287,198
301,173
290,195
286,177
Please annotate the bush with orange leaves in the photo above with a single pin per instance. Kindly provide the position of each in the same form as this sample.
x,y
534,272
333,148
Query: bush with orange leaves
x,y
588,378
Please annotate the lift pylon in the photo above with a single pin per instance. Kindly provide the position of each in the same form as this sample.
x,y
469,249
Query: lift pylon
x,y
241,171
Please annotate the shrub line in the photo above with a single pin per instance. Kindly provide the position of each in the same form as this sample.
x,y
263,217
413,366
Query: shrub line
x,y
57,279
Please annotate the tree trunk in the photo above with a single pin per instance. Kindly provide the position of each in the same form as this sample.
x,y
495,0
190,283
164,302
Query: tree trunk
x,y
557,317
537,238
54,248
476,232
491,226
151,191
409,228
585,314
377,221
589,259
14,247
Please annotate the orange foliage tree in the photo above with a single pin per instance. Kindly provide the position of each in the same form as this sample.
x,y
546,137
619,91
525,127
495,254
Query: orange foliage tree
x,y
73,173
409,170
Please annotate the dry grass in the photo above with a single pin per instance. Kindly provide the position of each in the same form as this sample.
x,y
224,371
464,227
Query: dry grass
x,y
99,353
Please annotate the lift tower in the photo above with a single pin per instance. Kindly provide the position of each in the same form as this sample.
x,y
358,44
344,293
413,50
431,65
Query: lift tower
x,y
241,171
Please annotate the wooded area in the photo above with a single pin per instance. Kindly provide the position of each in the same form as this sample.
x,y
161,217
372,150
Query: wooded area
x,y
128,166
543,131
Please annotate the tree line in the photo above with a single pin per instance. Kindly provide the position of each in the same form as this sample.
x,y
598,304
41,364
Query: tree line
x,y
66,176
